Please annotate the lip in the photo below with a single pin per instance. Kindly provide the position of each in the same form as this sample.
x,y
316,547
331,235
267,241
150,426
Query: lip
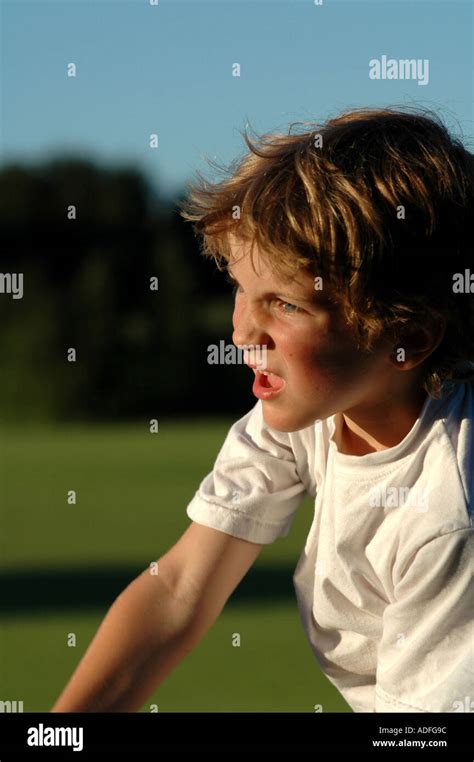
x,y
265,392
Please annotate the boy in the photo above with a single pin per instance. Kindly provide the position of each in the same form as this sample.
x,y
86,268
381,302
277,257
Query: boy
x,y
350,247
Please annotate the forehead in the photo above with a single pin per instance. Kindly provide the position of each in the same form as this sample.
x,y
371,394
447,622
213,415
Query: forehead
x,y
243,258
248,262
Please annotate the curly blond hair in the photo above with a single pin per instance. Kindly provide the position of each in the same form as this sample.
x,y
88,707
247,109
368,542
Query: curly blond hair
x,y
375,201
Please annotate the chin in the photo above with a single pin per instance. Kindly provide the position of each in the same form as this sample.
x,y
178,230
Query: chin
x,y
287,424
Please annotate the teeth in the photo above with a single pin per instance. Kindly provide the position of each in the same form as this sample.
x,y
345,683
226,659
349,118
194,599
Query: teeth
x,y
263,372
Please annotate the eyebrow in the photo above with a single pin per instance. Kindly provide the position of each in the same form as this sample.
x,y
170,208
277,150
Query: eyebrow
x,y
316,299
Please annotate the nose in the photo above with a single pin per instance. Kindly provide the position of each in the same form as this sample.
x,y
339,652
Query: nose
x,y
248,327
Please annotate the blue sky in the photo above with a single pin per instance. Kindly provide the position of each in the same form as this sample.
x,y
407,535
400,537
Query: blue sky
x,y
167,69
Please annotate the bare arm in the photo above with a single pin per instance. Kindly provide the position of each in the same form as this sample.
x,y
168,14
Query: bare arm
x,y
156,621
137,644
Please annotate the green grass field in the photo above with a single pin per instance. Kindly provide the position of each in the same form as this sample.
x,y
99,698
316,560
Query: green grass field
x,y
63,564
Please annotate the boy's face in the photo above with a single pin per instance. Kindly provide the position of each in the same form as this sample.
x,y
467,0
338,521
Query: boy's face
x,y
308,345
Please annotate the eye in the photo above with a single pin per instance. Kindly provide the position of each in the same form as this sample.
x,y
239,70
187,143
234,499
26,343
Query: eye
x,y
292,308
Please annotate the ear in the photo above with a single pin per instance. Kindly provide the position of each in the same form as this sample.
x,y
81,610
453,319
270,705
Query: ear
x,y
418,344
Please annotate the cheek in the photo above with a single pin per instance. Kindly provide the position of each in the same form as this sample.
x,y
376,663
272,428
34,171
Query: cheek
x,y
322,353
307,346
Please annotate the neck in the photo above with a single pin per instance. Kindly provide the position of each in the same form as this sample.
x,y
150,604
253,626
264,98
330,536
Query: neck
x,y
383,425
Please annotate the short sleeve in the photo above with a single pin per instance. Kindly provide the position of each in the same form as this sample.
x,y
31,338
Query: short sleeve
x,y
426,655
254,489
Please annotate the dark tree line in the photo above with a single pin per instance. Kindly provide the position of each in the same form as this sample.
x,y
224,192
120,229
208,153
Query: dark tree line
x,y
139,352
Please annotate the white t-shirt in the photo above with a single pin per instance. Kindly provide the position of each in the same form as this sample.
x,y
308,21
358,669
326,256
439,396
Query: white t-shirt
x,y
385,582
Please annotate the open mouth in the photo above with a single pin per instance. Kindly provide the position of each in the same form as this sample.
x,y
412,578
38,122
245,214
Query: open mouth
x,y
267,385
